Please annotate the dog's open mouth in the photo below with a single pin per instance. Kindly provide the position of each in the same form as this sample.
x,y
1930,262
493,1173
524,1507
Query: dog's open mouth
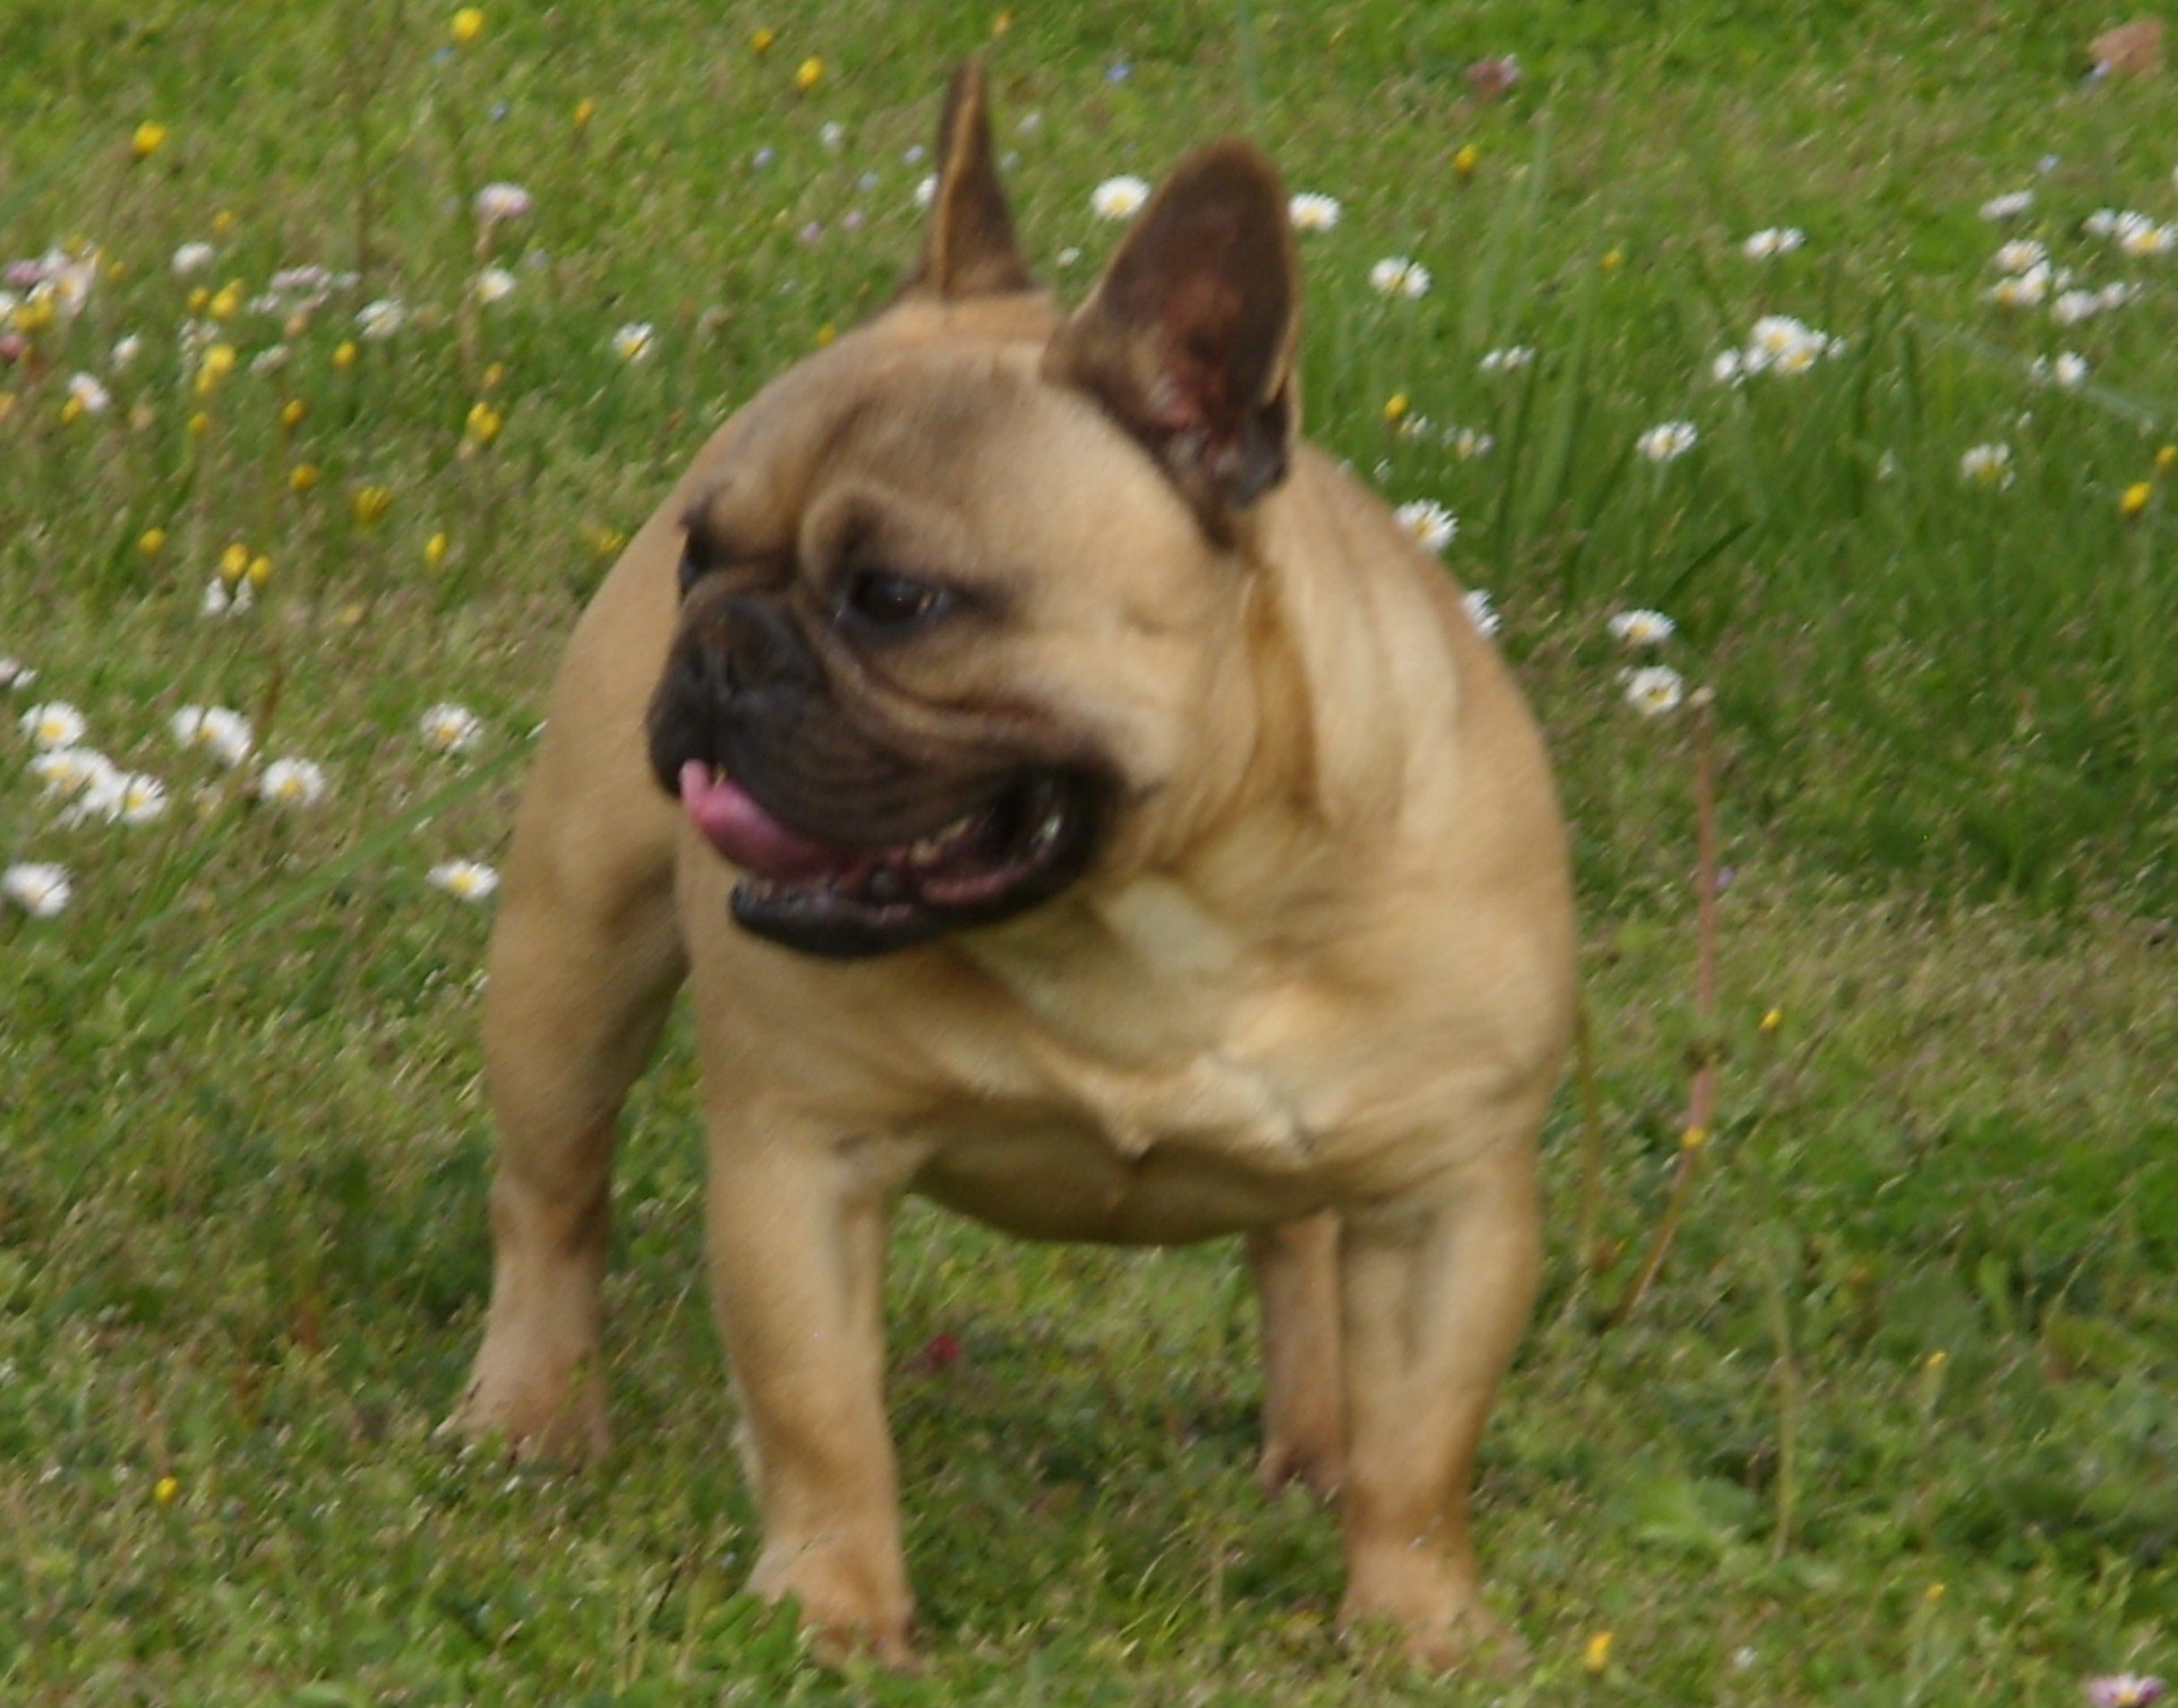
x,y
1031,837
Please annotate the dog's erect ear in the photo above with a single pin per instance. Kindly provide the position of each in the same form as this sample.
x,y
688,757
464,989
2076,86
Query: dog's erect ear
x,y
1187,340
969,248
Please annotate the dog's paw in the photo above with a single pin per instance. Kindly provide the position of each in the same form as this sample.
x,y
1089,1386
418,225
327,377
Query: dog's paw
x,y
554,1423
1317,1466
850,1607
1434,1618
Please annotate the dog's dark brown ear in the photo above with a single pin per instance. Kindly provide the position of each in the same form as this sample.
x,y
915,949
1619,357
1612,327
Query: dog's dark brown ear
x,y
1187,340
969,248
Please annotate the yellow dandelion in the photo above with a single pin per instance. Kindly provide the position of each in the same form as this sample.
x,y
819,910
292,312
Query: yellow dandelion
x,y
148,135
1001,24
199,424
234,563
2166,458
302,478
1595,1653
72,408
371,503
469,24
151,542
825,334
223,222
1694,1138
1936,1359
807,73
586,109
1466,160
218,364
494,376
1395,407
1934,1592
260,570
225,301
344,354
165,1489
352,615
434,551
1611,260
1773,1018
760,39
291,413
2135,500
484,423
605,542
196,299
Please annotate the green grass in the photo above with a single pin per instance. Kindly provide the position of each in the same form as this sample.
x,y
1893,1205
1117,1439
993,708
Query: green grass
x,y
241,1227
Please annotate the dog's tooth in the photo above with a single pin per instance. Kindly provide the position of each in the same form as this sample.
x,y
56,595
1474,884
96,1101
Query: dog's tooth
x,y
926,850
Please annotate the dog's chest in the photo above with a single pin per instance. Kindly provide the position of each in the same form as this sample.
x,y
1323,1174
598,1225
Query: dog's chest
x,y
1145,1100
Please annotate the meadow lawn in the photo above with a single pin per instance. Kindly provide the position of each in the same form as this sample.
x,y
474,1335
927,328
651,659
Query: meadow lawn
x,y
342,346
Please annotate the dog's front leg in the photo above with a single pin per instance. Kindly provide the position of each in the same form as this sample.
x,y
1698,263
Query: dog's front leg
x,y
1296,1269
1434,1303
797,1244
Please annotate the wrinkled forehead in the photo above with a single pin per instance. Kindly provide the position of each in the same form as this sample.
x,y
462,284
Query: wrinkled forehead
x,y
915,435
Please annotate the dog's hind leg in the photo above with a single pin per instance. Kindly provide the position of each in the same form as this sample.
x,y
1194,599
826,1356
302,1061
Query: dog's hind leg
x,y
1296,1269
586,956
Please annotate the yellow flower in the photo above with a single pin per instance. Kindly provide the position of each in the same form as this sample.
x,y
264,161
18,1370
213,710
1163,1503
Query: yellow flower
x,y
1611,258
1467,159
344,354
196,299
760,39
260,570
151,541
234,563
469,24
223,222
825,334
225,300
434,551
165,1489
586,109
1001,24
302,478
1937,1359
2166,458
1934,1592
72,408
484,422
148,135
606,541
371,503
1597,1653
291,413
807,73
1395,407
1773,1018
2135,500
1694,1138
199,424
495,375
218,364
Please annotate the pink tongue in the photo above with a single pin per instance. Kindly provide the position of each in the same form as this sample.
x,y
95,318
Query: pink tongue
x,y
732,823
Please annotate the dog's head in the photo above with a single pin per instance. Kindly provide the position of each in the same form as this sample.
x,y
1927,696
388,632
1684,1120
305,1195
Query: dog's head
x,y
963,615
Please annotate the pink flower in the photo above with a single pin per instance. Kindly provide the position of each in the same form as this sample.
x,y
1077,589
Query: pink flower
x,y
2124,1690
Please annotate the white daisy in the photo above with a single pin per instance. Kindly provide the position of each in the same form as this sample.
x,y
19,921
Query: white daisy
x,y
378,320
1397,276
1642,628
1511,357
224,598
122,797
1430,523
1729,368
2069,370
498,202
192,258
1467,444
2072,306
1773,241
2008,206
127,350
633,341
1120,197
54,723
1310,211
222,731
493,285
70,773
470,880
926,190
1987,465
2148,238
38,890
292,783
15,673
2117,294
448,728
1654,690
1667,441
1480,612
2017,255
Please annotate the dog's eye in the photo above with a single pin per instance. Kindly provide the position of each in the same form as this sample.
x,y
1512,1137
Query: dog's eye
x,y
885,600
696,563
